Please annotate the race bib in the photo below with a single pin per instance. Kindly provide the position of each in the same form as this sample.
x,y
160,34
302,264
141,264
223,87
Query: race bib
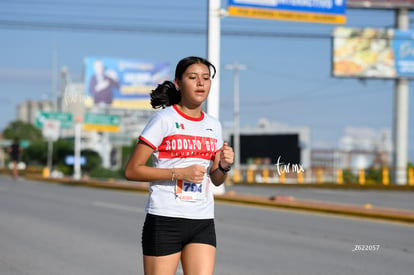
x,y
190,191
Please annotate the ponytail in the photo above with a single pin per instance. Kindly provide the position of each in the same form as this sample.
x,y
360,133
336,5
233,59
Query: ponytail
x,y
166,94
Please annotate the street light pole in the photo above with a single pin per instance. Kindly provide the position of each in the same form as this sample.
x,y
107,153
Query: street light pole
x,y
213,55
236,112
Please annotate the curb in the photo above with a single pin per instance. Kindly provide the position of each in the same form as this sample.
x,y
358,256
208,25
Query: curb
x,y
351,186
366,211
110,184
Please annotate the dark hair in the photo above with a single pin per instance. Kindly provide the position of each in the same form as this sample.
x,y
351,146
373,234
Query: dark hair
x,y
166,94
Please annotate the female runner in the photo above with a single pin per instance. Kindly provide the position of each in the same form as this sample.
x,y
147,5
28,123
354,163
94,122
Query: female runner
x,y
188,154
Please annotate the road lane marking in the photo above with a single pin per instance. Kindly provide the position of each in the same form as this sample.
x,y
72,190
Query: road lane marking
x,y
118,207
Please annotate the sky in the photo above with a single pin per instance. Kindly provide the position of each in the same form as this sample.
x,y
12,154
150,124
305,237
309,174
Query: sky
x,y
288,78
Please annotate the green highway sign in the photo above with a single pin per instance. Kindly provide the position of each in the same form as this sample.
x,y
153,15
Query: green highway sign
x,y
101,122
114,120
65,119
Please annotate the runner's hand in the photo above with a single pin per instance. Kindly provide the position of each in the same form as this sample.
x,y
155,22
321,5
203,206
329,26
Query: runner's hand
x,y
194,173
226,156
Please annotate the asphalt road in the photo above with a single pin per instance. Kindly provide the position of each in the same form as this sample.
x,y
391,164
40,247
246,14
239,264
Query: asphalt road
x,y
58,229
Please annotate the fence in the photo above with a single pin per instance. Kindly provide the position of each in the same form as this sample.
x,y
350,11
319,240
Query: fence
x,y
269,174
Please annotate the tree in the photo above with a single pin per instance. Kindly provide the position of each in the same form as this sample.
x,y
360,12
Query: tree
x,y
35,153
61,149
23,131
93,160
127,152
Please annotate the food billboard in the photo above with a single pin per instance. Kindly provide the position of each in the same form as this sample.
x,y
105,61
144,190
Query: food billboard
x,y
372,53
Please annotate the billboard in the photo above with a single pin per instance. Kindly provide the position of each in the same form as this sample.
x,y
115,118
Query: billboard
x,y
314,11
372,53
122,83
269,146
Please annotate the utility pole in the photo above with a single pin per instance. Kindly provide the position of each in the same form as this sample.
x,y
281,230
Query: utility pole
x,y
236,68
54,78
213,54
64,81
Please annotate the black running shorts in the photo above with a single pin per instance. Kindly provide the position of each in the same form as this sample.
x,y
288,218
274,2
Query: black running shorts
x,y
163,236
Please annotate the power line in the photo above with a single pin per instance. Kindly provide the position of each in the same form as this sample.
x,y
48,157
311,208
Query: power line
x,y
23,18
148,29
99,4
96,28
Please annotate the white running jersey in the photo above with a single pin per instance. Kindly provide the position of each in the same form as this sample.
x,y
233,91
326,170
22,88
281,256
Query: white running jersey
x,y
181,141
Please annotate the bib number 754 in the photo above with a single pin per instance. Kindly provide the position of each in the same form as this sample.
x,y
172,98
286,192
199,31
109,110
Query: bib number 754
x,y
190,191
193,187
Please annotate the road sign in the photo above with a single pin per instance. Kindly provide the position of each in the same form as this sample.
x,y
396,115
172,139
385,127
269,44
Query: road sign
x,y
70,160
101,122
328,12
50,129
65,119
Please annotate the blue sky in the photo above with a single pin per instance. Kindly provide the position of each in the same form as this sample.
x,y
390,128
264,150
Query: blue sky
x,y
288,79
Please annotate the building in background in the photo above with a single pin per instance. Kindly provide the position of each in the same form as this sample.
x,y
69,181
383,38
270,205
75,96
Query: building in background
x,y
27,111
359,148
365,148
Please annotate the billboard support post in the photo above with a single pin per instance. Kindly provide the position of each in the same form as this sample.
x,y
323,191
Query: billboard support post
x,y
400,123
54,80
